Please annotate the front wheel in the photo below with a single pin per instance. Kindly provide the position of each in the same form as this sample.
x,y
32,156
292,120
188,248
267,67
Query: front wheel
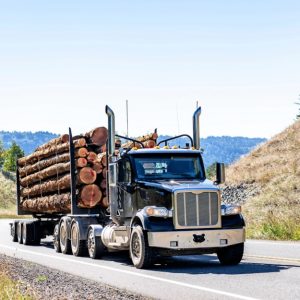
x,y
231,255
140,252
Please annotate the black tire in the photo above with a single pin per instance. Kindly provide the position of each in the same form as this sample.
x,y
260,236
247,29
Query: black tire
x,y
78,246
140,252
65,243
95,246
14,232
26,234
231,255
56,241
19,232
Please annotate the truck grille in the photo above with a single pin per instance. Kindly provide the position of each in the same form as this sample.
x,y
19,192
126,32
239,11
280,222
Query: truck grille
x,y
194,209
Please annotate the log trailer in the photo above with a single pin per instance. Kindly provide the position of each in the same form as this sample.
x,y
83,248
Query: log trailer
x,y
160,204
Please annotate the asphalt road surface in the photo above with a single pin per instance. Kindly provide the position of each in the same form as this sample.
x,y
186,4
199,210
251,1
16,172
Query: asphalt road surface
x,y
269,270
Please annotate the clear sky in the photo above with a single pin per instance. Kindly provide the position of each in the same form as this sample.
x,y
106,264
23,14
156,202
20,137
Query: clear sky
x,y
62,61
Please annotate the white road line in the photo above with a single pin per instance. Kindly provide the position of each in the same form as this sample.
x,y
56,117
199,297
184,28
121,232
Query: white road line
x,y
178,283
284,259
275,243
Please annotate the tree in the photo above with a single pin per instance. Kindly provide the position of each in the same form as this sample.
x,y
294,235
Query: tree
x,y
298,114
2,152
211,171
10,157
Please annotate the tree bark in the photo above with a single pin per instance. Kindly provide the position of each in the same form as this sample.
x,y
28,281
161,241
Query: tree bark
x,y
90,196
87,175
149,144
103,184
51,171
49,204
38,155
97,136
27,170
102,159
47,187
57,141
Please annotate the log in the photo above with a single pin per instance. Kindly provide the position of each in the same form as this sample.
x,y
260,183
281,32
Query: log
x,y
81,152
104,172
38,155
90,196
104,202
97,167
46,187
87,175
57,141
81,162
143,138
27,170
49,204
97,136
101,158
92,156
149,144
103,184
46,173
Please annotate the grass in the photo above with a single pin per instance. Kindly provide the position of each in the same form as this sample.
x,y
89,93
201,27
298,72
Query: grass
x,y
275,166
10,290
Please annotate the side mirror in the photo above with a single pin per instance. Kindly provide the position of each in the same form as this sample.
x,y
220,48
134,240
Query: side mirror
x,y
220,173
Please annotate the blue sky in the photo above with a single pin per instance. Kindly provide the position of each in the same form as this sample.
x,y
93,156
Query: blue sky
x,y
62,61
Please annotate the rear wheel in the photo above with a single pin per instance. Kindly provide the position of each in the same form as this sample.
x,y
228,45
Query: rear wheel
x,y
19,233
64,242
95,245
56,241
78,246
231,255
140,252
14,232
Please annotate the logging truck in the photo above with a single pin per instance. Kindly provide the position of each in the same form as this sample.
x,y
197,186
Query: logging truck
x,y
155,202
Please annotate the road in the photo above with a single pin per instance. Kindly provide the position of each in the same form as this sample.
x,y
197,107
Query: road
x,y
269,270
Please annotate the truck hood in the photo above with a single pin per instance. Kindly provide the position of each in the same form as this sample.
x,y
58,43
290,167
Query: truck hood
x,y
177,185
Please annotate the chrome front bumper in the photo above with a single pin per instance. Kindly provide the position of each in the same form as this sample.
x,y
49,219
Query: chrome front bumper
x,y
185,239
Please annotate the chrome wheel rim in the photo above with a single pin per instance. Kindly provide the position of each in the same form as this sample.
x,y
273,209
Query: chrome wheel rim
x,y
91,243
74,237
136,245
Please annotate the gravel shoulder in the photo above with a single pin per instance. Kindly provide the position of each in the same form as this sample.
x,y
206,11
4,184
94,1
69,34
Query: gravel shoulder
x,y
45,283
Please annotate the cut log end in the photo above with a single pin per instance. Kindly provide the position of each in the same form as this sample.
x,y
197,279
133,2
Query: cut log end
x,y
90,196
87,175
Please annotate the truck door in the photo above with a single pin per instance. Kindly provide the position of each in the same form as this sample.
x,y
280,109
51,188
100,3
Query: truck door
x,y
124,179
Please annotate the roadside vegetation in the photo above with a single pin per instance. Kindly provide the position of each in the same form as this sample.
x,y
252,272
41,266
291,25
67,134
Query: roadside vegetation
x,y
10,290
7,195
273,213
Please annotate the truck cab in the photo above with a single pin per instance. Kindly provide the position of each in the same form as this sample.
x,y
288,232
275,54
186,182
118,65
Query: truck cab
x,y
162,204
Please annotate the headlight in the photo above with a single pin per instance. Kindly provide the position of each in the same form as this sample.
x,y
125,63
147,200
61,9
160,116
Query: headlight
x,y
153,211
231,210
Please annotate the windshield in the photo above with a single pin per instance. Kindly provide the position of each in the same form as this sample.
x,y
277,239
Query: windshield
x,y
168,167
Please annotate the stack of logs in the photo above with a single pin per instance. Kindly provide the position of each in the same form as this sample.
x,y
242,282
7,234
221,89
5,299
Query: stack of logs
x,y
45,178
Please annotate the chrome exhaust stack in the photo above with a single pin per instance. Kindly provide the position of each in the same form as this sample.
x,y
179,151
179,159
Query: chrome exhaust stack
x,y
196,128
111,132
112,167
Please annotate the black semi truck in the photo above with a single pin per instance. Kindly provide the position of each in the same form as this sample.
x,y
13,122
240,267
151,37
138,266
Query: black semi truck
x,y
160,204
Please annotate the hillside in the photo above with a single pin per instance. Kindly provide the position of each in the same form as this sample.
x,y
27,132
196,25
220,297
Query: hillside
x,y
269,181
27,140
224,149
7,193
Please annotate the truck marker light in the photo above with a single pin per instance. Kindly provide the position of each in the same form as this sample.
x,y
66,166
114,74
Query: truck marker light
x,y
166,147
175,147
223,242
156,147
173,244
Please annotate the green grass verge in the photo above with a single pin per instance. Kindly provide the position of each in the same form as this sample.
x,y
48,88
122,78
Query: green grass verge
x,y
10,290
